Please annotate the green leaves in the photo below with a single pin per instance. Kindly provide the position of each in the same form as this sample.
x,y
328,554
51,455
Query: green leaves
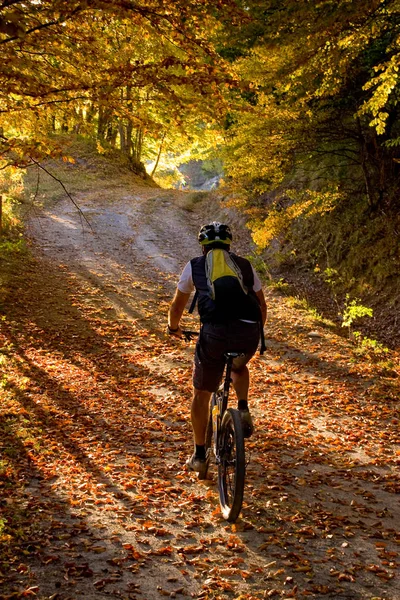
x,y
354,310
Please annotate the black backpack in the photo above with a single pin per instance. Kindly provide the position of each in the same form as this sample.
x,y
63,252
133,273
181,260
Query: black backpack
x,y
224,288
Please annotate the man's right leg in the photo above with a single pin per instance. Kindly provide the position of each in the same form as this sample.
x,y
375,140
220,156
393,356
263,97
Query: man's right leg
x,y
199,416
207,372
241,381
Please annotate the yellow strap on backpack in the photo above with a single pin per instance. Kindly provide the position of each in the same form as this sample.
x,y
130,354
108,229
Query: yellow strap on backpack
x,y
220,264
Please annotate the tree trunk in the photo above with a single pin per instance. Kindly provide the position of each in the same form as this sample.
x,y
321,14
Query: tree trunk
x,y
129,143
111,134
158,156
103,120
364,166
91,113
138,144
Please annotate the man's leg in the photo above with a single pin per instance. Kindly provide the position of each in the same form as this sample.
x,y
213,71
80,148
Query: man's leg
x,y
207,372
241,381
199,415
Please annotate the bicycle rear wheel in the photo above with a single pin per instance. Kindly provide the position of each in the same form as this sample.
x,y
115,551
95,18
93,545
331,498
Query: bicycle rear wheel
x,y
232,465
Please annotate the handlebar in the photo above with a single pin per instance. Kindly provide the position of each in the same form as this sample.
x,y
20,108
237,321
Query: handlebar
x,y
189,335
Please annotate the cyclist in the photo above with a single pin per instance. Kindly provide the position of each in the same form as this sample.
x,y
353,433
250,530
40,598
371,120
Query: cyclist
x,y
217,336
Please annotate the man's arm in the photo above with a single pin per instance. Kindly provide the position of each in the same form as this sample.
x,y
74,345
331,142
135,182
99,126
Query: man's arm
x,y
263,305
176,310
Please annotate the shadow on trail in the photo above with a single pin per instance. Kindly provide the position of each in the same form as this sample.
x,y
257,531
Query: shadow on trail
x,y
73,341
324,529
124,437
105,430
309,360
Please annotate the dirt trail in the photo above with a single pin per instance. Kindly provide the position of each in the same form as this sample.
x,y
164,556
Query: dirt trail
x,y
114,512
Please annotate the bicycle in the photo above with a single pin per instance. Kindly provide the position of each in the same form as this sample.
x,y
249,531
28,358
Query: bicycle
x,y
225,441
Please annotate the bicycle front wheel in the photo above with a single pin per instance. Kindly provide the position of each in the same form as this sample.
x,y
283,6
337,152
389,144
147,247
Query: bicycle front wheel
x,y
232,466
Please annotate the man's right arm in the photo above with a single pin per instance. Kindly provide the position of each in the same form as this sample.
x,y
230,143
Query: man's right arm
x,y
176,310
182,295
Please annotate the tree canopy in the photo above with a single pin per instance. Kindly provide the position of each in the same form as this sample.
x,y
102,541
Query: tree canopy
x,y
301,97
109,68
321,126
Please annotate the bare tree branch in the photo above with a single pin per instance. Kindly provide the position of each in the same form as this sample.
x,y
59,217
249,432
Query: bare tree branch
x,y
64,188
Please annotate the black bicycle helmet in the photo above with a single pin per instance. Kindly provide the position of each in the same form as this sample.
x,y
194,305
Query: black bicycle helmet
x,y
215,232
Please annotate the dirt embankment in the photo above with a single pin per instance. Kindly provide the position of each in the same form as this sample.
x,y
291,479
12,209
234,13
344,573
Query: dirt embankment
x,y
98,503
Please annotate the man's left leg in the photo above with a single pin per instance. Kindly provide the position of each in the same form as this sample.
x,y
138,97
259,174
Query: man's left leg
x,y
241,381
207,372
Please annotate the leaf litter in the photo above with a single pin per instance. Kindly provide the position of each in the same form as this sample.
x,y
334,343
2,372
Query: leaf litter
x,y
96,501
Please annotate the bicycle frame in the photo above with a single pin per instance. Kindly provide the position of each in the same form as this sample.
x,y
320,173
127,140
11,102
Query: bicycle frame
x,y
227,380
225,440
221,397
226,435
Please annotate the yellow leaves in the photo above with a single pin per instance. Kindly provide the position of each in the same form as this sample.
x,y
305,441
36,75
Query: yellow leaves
x,y
263,233
100,148
304,203
382,86
98,549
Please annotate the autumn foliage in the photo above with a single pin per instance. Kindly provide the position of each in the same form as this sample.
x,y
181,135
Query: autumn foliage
x,y
301,101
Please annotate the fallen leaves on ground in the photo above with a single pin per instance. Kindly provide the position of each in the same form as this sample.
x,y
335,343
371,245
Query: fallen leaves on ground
x,y
96,502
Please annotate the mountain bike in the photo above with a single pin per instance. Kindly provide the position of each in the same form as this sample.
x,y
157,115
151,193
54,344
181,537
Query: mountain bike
x,y
225,443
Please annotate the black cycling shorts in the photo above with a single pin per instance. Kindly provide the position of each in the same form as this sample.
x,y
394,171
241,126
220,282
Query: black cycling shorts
x,y
213,342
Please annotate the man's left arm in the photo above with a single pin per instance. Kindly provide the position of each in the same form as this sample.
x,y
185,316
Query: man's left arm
x,y
257,287
263,305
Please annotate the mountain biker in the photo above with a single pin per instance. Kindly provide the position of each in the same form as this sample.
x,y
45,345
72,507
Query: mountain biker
x,y
217,336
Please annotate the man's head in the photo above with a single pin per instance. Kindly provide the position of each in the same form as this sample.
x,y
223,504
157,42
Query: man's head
x,y
215,235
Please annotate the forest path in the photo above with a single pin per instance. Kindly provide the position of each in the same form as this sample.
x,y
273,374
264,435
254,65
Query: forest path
x,y
104,399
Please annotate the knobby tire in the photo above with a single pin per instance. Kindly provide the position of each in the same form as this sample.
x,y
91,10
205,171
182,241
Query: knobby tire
x,y
232,466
